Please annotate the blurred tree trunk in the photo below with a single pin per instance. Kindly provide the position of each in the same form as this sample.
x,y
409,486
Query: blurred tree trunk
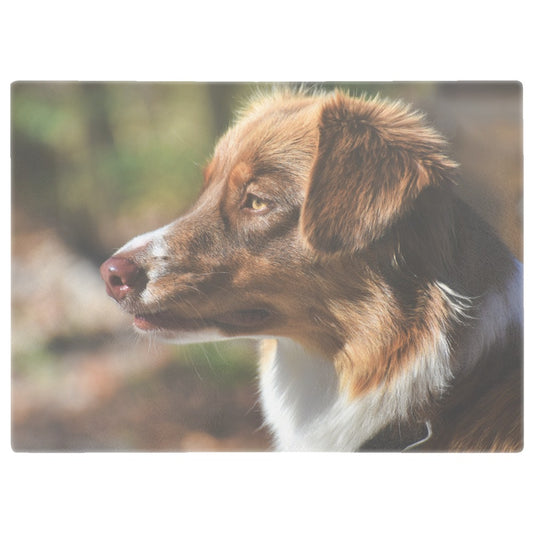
x,y
221,96
81,228
94,95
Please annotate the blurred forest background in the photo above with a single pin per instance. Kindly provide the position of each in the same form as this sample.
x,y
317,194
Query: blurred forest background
x,y
94,164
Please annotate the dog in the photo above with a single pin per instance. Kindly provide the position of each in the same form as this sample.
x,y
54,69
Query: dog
x,y
389,317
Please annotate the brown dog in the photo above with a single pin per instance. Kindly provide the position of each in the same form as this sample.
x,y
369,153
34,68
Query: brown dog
x,y
390,316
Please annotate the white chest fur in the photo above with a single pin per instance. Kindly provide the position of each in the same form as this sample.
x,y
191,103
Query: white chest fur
x,y
304,408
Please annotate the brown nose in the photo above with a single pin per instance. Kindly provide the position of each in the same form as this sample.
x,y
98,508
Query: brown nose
x,y
122,277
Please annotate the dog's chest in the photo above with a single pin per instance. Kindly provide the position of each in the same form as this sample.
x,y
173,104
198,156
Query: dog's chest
x,y
303,406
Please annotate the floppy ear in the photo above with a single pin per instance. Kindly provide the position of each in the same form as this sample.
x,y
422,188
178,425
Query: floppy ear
x,y
373,159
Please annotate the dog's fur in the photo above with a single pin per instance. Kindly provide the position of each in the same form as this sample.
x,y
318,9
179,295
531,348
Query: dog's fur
x,y
389,315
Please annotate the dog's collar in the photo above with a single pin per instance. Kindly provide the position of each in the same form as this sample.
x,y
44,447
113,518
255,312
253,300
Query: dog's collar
x,y
394,438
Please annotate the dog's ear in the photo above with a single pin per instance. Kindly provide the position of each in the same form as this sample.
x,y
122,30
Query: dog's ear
x,y
373,159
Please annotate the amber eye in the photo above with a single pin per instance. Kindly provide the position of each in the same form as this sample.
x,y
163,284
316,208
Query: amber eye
x,y
254,203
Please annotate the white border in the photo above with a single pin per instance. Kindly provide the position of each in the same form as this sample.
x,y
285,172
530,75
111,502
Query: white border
x,y
230,41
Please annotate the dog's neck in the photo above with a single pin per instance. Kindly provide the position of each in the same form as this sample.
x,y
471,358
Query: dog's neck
x,y
307,409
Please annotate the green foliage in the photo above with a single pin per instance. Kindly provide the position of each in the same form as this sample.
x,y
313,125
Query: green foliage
x,y
227,363
39,362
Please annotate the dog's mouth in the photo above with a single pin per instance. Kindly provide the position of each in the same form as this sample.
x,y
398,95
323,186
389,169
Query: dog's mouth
x,y
245,320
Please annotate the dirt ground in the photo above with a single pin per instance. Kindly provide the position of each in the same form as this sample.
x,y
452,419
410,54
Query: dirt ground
x,y
166,404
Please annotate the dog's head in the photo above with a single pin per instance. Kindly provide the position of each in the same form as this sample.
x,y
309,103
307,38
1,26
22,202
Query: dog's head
x,y
283,241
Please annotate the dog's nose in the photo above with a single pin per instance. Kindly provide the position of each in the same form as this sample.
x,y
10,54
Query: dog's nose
x,y
122,276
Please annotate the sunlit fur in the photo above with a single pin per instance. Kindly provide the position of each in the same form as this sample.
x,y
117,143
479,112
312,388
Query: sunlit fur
x,y
387,306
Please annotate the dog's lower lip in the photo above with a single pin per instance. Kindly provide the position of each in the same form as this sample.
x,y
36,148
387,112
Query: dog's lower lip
x,y
143,322
235,319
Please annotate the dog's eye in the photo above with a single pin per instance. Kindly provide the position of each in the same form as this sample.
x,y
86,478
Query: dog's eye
x,y
256,204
